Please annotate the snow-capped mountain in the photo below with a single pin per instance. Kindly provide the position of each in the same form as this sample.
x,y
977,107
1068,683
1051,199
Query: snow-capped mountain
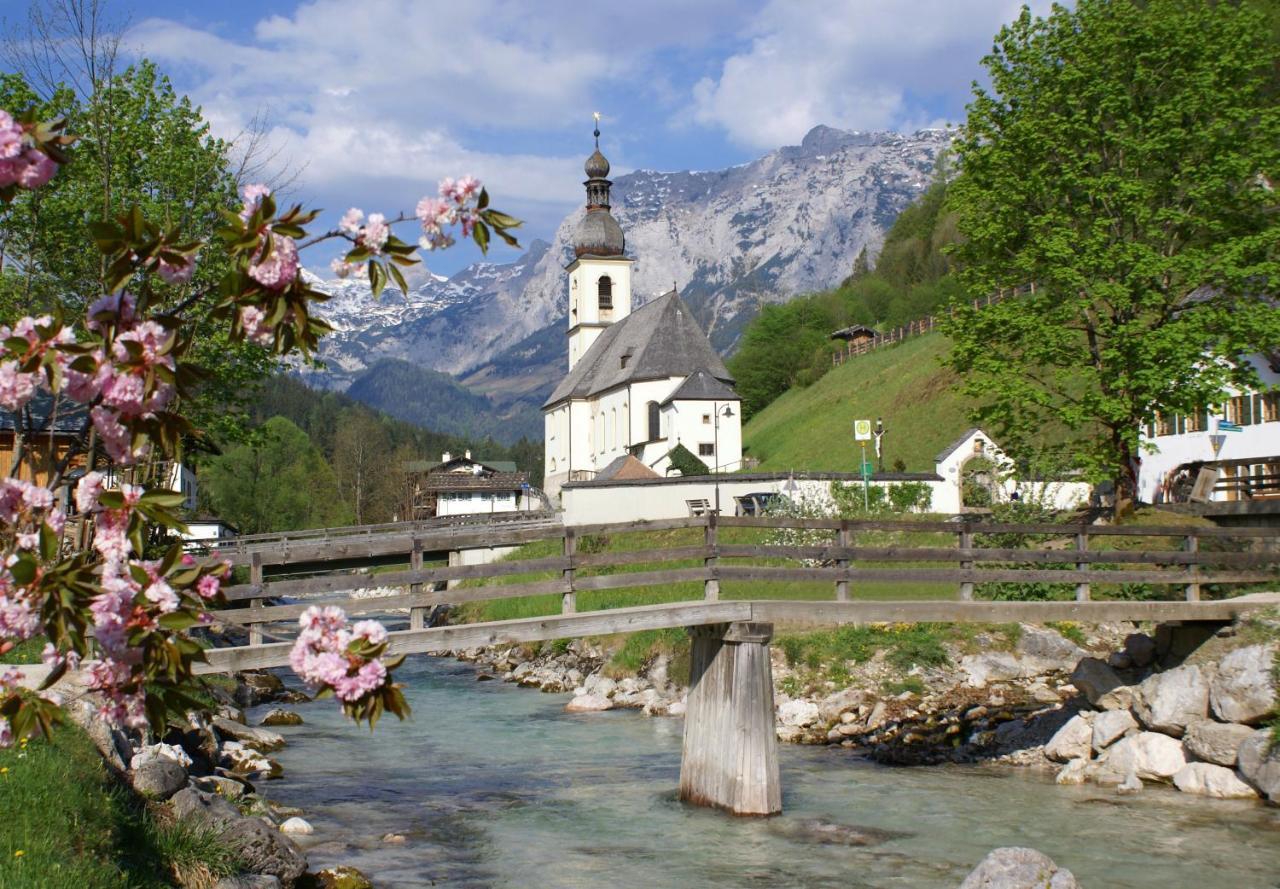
x,y
788,223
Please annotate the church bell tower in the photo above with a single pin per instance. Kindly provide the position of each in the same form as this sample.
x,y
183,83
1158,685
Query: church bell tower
x,y
600,274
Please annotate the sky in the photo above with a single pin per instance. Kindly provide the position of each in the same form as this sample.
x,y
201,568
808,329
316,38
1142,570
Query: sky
x,y
371,103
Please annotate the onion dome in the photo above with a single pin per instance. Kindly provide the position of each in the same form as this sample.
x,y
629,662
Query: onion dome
x,y
597,166
598,234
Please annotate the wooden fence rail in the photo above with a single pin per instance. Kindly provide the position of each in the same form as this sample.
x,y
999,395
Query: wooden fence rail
x,y
1061,555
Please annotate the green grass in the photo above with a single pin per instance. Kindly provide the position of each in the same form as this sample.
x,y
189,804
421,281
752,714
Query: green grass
x,y
811,428
27,652
66,824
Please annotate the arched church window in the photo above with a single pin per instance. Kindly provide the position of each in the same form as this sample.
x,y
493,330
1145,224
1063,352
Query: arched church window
x,y
655,421
605,292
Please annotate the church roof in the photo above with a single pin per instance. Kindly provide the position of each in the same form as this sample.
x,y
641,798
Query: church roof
x,y
702,385
625,467
659,339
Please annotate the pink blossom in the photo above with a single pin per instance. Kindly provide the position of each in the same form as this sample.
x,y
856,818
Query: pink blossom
x,y
163,596
88,490
188,560
18,620
126,393
435,212
371,631
278,270
253,195
10,678
10,136
9,170
253,320
344,269
177,272
119,309
116,438
459,191
16,387
29,540
434,239
351,221
208,586
37,497
369,678
6,734
375,233
39,169
56,520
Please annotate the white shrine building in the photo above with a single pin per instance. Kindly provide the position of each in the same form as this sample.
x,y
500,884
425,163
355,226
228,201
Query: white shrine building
x,y
640,382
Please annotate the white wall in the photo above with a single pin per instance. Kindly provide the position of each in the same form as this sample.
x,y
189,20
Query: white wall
x,y
471,502
584,276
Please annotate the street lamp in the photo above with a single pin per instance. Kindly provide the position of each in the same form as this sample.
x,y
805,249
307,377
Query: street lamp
x,y
727,414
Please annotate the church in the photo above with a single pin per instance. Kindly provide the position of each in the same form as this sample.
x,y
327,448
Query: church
x,y
640,382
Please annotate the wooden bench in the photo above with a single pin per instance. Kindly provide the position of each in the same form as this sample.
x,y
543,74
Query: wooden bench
x,y
699,507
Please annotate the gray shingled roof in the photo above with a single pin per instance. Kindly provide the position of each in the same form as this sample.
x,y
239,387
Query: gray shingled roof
x,y
664,340
701,385
951,448
68,418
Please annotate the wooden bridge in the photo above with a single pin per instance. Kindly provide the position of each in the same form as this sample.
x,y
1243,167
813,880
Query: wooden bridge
x,y
732,579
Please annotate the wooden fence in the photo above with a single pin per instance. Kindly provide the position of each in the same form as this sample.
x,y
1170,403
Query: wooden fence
x,y
842,553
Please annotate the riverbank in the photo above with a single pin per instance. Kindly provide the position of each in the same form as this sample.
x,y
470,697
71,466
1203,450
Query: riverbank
x,y
1107,704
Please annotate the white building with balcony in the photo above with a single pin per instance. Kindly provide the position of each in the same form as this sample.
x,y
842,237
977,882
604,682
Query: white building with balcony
x,y
1237,441
640,382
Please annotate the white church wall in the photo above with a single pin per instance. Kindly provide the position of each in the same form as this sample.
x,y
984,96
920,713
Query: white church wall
x,y
694,426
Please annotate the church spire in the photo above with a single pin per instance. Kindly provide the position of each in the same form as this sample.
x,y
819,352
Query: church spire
x,y
599,233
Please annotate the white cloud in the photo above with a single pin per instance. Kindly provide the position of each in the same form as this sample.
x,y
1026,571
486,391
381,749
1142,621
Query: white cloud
x,y
855,64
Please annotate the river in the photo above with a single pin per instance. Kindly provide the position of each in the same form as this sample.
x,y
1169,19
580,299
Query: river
x,y
494,786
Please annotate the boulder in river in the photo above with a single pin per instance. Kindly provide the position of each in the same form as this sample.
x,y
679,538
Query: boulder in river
x,y
1096,680
1072,741
257,688
1260,764
297,826
588,703
259,739
341,877
1207,779
1215,742
1167,702
1015,867
1244,687
1110,725
1150,756
798,713
159,779
279,716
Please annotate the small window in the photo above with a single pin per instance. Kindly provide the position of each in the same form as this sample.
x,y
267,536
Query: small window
x,y
706,449
605,292
655,421
706,419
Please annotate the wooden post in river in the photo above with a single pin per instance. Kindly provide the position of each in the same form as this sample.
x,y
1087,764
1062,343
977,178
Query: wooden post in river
x,y
730,757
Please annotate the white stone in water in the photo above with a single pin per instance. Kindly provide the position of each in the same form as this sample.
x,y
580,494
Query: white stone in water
x,y
1215,742
1073,772
798,713
1168,701
1148,755
296,826
160,751
1110,725
1071,741
588,703
1207,779
1019,868
1260,764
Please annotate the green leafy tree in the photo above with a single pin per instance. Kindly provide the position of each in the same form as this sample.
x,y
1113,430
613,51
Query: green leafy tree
x,y
280,482
1123,161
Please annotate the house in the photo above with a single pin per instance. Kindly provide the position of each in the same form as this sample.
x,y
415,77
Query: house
x,y
1237,441
459,485
52,429
640,381
855,335
205,533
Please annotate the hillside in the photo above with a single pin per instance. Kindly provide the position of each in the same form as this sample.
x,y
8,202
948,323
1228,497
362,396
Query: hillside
x,y
812,427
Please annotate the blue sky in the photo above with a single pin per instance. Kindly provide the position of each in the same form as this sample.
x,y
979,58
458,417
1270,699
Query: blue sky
x,y
374,101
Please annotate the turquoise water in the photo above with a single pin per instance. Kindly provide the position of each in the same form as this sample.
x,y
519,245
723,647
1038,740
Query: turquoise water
x,y
493,785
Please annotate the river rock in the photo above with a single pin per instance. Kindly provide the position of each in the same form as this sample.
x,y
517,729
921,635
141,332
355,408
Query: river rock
x,y
280,716
1074,772
259,739
227,788
203,808
1147,755
798,713
1168,701
248,762
1207,779
1014,867
1049,646
160,752
1244,688
1110,725
1095,680
159,778
588,703
1215,742
297,826
248,881
341,877
264,850
1260,764
991,666
1140,648
600,684
833,707
256,688
1071,741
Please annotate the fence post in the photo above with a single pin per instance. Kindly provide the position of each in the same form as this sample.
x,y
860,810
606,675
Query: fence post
x,y
711,586
255,578
1192,545
1082,545
417,615
842,564
570,602
966,542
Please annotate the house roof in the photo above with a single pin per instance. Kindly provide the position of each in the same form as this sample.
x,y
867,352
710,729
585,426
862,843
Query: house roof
x,y
62,415
701,385
624,468
449,481
853,330
664,340
955,445
436,465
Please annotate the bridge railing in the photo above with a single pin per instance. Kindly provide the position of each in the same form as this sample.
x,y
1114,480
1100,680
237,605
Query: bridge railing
x,y
705,558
